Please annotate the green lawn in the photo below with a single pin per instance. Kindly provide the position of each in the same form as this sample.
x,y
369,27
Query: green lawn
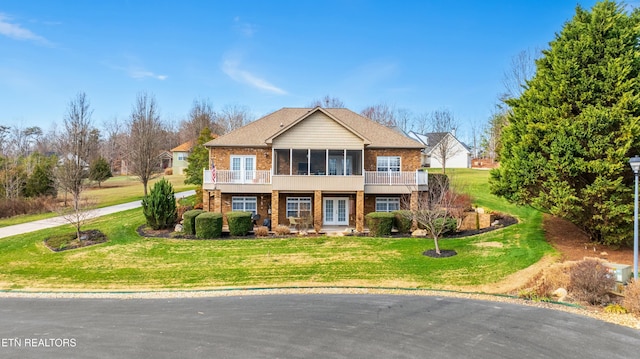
x,y
115,190
131,262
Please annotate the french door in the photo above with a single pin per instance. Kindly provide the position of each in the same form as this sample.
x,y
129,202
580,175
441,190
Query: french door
x,y
336,211
243,168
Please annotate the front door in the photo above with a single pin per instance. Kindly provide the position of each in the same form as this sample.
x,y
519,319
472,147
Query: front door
x,y
336,211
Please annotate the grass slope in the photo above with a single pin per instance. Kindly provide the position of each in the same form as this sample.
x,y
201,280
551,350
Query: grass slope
x,y
131,262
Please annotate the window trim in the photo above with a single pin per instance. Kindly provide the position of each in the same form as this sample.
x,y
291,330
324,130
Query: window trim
x,y
297,201
387,201
244,200
387,165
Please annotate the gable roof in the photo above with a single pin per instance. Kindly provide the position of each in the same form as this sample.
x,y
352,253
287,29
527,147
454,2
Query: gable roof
x,y
261,132
432,139
184,147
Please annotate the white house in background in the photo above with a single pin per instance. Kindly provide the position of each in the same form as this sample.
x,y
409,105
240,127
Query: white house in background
x,y
443,147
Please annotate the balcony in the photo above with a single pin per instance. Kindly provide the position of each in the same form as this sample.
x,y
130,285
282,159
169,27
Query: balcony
x,y
373,182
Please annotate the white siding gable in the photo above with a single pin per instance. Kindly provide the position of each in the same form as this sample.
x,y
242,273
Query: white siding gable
x,y
318,131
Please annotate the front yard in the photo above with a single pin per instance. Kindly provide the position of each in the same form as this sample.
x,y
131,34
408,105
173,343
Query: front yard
x,y
131,262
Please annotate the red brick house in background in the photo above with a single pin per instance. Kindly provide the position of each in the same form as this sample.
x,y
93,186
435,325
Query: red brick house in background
x,y
330,166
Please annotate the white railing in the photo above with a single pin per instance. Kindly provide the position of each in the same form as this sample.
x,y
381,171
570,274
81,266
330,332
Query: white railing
x,y
264,177
395,178
242,177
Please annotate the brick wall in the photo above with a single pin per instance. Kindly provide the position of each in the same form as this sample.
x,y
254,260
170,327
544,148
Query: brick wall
x,y
222,156
409,158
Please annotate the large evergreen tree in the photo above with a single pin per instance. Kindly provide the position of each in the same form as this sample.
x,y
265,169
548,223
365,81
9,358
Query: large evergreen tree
x,y
198,159
573,129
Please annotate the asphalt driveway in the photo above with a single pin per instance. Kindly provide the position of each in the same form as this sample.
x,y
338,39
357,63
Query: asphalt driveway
x,y
302,326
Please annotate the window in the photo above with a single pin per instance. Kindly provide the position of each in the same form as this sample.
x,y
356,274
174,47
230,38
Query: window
x,y
387,204
244,204
182,157
388,164
299,207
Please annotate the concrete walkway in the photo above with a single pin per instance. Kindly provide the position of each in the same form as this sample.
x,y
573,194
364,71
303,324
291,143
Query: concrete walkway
x,y
59,221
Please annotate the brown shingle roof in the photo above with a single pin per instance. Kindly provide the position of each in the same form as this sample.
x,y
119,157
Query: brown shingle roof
x,y
261,131
184,147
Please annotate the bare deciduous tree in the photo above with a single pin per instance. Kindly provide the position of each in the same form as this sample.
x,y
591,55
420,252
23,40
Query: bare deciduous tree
x,y
443,123
74,146
114,143
145,140
232,117
490,141
522,69
201,116
327,102
381,113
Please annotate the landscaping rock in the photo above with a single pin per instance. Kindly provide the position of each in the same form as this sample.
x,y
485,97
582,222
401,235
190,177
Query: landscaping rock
x,y
419,233
178,228
560,294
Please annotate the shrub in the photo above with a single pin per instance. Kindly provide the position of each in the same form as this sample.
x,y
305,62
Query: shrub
x,y
240,223
208,225
403,220
168,171
189,222
159,207
554,277
591,282
615,309
380,223
261,231
14,207
282,230
632,297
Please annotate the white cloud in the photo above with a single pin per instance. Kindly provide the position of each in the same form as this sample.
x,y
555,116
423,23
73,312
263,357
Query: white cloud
x,y
17,32
141,74
136,72
231,68
244,28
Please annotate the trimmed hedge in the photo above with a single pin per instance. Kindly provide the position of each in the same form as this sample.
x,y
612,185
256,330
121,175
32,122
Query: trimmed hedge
x,y
380,223
208,225
189,223
240,223
403,220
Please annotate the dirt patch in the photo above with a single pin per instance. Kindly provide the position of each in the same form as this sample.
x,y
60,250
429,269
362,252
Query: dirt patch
x,y
573,244
489,244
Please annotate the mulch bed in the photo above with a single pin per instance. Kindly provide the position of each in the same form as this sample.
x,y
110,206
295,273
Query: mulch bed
x,y
444,253
70,241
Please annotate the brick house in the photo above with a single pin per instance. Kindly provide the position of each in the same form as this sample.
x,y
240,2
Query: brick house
x,y
328,166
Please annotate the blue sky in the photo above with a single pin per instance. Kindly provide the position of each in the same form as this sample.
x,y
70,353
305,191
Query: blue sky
x,y
418,55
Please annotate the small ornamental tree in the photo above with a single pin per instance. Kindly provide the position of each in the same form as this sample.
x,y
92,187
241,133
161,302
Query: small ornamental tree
x,y
100,170
159,207
438,210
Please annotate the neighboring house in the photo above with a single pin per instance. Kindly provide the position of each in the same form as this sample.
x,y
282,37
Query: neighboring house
x,y
443,147
329,166
180,155
166,160
73,158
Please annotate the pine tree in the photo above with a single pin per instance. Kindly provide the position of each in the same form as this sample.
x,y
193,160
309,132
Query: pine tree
x,y
159,207
573,129
100,170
